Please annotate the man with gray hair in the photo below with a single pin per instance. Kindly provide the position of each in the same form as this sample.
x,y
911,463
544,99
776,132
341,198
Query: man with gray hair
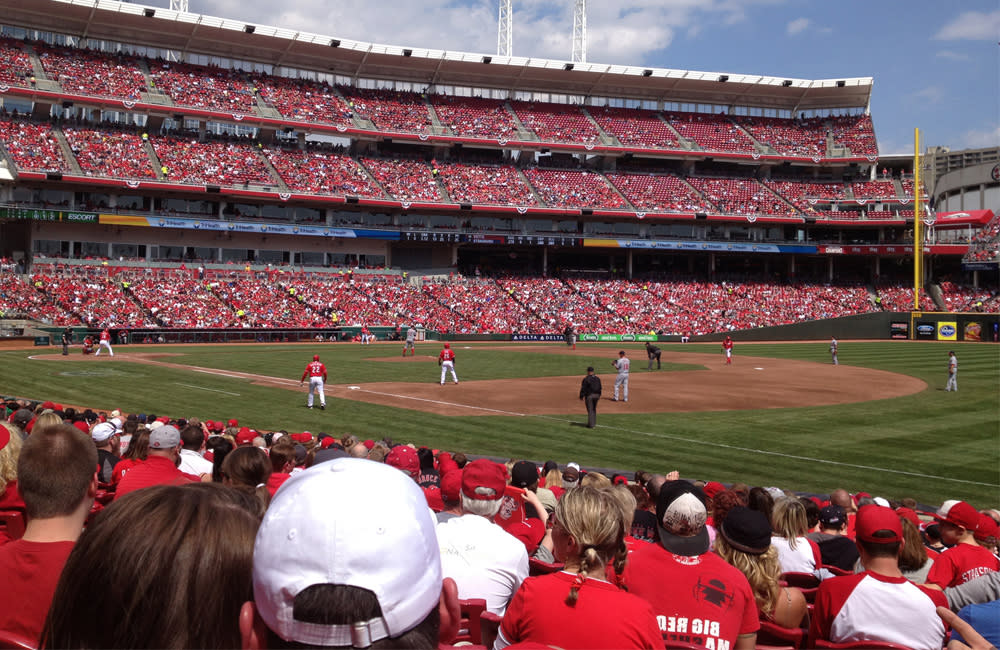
x,y
483,559
160,466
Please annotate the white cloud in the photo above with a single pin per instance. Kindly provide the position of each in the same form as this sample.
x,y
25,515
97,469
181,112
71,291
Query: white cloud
x,y
980,138
951,55
797,26
622,33
929,94
972,26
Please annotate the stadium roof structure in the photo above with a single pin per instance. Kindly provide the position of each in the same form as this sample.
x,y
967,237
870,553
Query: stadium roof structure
x,y
188,33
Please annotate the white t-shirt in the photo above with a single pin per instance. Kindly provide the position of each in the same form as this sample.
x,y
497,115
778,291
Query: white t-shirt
x,y
193,463
484,560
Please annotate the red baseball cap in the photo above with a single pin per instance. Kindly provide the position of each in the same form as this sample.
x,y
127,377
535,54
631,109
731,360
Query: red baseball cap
x,y
987,528
451,485
327,442
712,488
872,519
233,423
958,513
5,437
910,514
245,436
304,438
404,458
487,474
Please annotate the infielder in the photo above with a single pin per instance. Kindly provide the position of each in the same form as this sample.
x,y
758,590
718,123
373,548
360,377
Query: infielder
x,y
621,379
727,347
833,351
316,372
652,352
411,340
105,343
447,362
952,373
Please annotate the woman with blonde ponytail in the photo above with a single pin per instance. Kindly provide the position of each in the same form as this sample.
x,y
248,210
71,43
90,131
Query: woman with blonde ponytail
x,y
577,607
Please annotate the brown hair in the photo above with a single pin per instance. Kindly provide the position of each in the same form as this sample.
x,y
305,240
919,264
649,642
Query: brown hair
x,y
54,470
138,446
282,453
914,554
247,469
173,565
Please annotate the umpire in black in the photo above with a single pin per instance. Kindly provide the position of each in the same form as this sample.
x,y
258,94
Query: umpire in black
x,y
590,392
67,338
652,352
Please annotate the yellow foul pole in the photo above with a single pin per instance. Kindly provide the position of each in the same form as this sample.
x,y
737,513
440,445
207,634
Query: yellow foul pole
x,y
917,236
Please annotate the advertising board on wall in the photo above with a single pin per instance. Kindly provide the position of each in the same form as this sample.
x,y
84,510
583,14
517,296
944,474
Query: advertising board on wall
x,y
947,331
926,330
899,330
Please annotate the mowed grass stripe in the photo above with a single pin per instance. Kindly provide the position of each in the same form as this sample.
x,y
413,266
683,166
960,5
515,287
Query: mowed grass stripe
x,y
933,433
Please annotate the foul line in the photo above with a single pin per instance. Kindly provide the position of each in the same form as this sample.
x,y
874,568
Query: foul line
x,y
443,403
214,390
706,443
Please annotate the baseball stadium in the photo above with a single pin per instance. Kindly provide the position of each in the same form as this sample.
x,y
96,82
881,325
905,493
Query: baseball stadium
x,y
228,199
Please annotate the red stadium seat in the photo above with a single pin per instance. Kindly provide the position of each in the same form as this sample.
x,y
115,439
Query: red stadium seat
x,y
861,645
773,634
469,627
12,523
12,641
490,626
539,568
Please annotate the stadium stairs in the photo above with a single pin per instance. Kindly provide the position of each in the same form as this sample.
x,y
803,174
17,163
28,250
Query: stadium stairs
x,y
275,176
606,138
523,132
435,120
527,183
157,163
67,151
42,81
152,95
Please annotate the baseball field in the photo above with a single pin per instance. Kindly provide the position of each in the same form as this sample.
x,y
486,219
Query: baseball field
x,y
782,414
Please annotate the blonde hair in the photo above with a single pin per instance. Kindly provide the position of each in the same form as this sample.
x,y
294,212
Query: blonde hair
x,y
553,478
762,572
47,419
8,456
593,518
788,519
626,501
594,480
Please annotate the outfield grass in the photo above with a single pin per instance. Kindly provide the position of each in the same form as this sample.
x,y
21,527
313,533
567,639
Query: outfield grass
x,y
932,445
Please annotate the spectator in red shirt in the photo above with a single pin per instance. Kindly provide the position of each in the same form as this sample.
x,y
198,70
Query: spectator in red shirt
x,y
160,466
578,607
57,477
966,559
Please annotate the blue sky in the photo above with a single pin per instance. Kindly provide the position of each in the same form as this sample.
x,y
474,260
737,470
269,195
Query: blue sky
x,y
936,65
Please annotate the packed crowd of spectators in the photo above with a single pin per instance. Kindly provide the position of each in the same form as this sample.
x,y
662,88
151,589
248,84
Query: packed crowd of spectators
x,y
389,110
469,550
404,180
114,154
739,196
662,193
188,160
15,64
91,72
201,86
303,100
985,244
873,190
101,296
485,184
574,189
474,117
320,172
32,146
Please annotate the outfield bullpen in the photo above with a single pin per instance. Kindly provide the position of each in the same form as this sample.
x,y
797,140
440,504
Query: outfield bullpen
x,y
750,383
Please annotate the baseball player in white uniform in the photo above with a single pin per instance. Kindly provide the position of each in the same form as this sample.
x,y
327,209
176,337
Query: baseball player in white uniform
x,y
105,343
952,384
316,372
447,362
833,350
622,364
411,340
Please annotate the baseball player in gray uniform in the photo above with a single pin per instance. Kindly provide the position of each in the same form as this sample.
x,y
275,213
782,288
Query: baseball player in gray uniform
x,y
622,364
411,338
833,350
952,384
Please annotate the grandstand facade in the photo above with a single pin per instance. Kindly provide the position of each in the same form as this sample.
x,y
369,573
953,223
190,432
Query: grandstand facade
x,y
138,144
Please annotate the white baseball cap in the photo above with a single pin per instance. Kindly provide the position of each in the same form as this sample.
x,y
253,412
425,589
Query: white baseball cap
x,y
103,431
384,541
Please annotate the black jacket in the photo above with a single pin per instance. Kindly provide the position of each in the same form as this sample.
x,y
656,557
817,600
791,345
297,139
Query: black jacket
x,y
591,385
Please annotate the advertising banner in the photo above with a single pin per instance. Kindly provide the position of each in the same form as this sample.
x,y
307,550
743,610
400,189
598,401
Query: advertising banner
x,y
947,331
926,330
537,337
617,338
899,330
972,331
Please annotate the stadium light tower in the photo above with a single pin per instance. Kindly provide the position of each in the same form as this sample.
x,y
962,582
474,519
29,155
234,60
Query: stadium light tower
x,y
505,30
580,32
179,5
